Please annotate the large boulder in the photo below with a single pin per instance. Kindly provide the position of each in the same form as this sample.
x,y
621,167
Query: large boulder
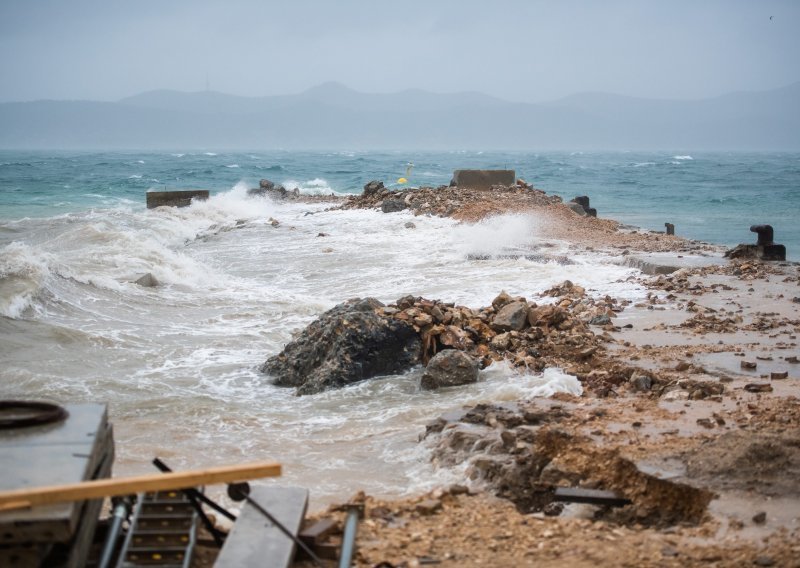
x,y
511,317
393,205
346,344
449,368
373,188
267,187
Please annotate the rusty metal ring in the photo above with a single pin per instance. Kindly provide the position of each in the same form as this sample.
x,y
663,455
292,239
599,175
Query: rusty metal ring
x,y
24,413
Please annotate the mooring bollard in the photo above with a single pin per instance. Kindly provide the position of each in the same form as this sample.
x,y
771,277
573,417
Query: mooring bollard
x,y
670,228
765,234
768,250
765,248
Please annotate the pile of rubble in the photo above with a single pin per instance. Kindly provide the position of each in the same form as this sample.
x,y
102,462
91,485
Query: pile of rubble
x,y
451,201
360,339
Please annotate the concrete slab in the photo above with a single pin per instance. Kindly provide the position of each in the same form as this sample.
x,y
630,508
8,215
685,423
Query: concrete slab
x,y
254,540
79,448
175,198
669,262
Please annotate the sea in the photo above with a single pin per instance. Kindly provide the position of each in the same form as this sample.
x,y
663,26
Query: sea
x,y
177,364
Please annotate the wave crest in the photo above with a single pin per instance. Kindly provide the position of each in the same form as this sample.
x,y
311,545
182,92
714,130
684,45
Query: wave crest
x,y
23,272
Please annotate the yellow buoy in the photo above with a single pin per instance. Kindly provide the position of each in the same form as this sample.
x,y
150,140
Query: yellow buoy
x,y
402,180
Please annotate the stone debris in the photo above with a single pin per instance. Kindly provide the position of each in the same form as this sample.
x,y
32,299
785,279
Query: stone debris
x,y
449,368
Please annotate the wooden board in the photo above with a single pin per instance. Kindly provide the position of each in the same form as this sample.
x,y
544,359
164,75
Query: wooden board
x,y
254,540
140,484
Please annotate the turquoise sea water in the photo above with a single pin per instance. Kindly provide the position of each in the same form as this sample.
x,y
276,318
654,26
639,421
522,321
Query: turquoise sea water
x,y
713,197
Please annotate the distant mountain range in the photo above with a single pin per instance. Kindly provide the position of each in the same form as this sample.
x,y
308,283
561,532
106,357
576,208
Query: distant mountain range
x,y
332,116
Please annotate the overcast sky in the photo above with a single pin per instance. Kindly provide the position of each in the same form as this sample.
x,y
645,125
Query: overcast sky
x,y
518,50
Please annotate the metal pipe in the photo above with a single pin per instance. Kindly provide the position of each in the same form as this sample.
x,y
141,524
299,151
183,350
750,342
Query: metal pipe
x,y
257,506
349,537
119,515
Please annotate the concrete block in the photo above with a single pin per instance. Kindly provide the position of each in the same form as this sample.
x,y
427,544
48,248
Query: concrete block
x,y
175,198
254,540
483,179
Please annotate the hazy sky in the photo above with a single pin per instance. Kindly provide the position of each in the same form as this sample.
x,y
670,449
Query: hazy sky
x,y
518,50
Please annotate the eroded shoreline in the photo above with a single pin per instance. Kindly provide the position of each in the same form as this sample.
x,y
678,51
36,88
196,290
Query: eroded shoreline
x,y
690,409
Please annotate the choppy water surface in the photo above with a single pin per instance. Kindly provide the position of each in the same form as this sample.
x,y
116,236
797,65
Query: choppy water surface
x,y
177,364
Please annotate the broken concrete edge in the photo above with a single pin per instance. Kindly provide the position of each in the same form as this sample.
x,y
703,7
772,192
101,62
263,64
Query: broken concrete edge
x,y
653,265
181,198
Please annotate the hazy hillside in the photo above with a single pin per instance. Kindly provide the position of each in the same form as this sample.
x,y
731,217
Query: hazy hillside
x,y
334,116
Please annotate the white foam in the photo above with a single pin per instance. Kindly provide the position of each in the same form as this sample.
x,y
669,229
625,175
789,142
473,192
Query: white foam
x,y
316,186
496,235
232,166
23,271
682,158
209,154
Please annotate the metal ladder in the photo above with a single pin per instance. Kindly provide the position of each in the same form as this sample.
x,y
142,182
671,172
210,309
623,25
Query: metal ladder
x,y
163,532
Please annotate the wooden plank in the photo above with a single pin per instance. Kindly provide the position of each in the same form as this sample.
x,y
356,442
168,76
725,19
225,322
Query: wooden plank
x,y
317,532
254,541
140,484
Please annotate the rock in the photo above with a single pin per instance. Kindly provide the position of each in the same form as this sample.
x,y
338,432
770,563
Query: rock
x,y
546,316
777,376
764,561
410,225
602,319
147,280
501,341
449,368
749,365
393,205
760,518
373,187
346,344
501,300
641,383
553,509
676,395
511,317
742,251
266,187
428,506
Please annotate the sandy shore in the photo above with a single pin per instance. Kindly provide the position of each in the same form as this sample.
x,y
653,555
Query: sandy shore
x,y
690,410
